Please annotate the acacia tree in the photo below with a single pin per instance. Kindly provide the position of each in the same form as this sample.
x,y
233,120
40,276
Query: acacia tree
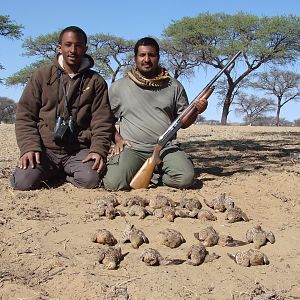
x,y
284,85
44,48
178,59
215,38
221,88
7,110
9,29
113,55
253,107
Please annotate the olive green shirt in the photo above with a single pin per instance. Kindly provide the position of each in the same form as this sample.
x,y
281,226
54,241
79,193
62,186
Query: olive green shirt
x,y
145,113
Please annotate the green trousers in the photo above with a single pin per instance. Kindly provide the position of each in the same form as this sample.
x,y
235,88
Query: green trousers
x,y
175,170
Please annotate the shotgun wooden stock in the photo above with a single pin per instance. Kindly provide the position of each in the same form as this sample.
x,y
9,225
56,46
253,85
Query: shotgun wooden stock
x,y
143,177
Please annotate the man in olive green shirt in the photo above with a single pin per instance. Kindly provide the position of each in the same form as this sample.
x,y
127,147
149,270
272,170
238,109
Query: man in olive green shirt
x,y
146,101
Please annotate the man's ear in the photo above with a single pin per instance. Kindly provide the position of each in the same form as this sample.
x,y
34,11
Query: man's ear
x,y
58,47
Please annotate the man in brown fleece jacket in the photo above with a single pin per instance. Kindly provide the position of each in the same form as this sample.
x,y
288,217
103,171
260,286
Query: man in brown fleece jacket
x,y
63,120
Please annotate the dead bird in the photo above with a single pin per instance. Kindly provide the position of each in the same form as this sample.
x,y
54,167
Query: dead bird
x,y
197,255
167,212
105,237
110,257
140,211
259,237
235,215
152,257
205,215
160,201
207,236
249,258
111,212
107,207
136,200
190,203
229,241
170,238
220,203
135,236
110,200
186,213
210,237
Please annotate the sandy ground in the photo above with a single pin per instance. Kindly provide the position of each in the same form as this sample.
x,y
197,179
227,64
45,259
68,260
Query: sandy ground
x,y
46,250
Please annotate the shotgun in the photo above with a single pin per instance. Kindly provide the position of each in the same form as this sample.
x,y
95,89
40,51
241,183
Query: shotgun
x,y
143,177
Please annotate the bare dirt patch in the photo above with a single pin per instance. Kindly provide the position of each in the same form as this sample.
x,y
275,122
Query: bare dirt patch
x,y
46,251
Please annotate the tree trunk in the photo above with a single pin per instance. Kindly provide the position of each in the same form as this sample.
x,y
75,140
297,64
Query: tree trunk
x,y
278,116
176,74
227,103
225,111
113,77
278,111
114,74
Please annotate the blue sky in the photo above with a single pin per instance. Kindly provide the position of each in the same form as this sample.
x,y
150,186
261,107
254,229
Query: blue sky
x,y
129,19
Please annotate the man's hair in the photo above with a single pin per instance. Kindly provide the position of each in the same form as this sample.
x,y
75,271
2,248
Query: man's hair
x,y
146,41
73,29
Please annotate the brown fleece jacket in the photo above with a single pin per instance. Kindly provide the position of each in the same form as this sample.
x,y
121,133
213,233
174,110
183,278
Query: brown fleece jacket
x,y
43,99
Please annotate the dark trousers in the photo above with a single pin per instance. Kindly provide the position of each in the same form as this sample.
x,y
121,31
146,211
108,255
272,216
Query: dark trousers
x,y
53,165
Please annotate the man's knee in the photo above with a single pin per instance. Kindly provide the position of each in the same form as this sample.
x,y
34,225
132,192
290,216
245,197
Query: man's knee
x,y
187,179
116,182
21,180
120,170
87,179
180,180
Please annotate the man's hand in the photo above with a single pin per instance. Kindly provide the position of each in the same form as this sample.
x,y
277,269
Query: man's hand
x,y
98,164
119,147
29,159
201,105
120,143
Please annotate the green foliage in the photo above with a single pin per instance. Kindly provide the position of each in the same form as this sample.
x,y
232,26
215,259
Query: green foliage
x,y
214,38
112,55
212,35
207,39
43,46
177,58
9,28
24,74
215,35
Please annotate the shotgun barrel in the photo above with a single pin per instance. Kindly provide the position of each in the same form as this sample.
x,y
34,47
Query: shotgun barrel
x,y
143,177
177,123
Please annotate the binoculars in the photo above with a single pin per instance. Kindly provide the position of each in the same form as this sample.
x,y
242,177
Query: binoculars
x,y
64,131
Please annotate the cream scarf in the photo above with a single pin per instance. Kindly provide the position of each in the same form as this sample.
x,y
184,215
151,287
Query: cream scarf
x,y
161,80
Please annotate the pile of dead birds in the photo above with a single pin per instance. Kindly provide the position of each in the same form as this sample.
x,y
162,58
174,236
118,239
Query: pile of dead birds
x,y
110,255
